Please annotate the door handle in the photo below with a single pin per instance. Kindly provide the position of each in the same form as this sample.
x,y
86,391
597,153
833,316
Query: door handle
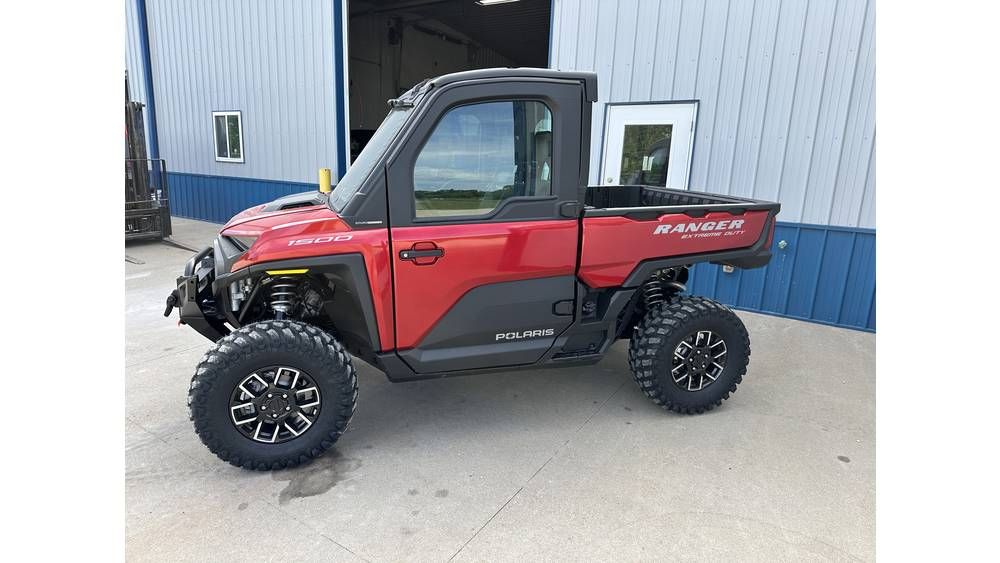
x,y
422,253
413,254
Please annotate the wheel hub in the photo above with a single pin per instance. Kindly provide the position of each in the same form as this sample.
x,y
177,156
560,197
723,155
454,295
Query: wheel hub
x,y
698,360
275,404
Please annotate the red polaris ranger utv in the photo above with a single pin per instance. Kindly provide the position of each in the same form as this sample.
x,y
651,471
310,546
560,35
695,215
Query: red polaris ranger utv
x,y
464,239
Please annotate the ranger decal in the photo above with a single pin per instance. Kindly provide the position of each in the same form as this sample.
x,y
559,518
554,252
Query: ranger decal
x,y
703,229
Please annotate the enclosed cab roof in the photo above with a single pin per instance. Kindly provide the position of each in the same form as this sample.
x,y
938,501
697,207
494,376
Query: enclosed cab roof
x,y
588,79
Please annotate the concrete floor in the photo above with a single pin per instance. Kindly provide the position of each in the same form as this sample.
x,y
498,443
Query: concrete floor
x,y
547,465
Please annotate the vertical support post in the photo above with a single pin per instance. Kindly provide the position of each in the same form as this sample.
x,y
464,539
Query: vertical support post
x,y
339,71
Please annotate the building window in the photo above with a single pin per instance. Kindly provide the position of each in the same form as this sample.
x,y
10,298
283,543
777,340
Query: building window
x,y
482,154
228,136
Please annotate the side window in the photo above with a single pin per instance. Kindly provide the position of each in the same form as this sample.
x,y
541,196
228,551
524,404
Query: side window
x,y
228,136
481,154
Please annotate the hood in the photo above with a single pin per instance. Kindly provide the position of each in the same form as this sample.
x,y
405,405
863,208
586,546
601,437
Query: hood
x,y
294,203
260,222
292,233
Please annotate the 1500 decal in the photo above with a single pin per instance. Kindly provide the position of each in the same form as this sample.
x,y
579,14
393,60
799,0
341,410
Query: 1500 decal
x,y
318,240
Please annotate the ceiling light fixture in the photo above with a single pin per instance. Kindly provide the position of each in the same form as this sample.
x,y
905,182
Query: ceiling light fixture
x,y
491,2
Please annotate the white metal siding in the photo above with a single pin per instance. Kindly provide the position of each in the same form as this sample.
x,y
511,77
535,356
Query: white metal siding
x,y
273,61
786,91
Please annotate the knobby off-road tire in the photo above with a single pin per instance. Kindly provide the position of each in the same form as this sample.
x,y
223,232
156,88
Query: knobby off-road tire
x,y
256,347
660,333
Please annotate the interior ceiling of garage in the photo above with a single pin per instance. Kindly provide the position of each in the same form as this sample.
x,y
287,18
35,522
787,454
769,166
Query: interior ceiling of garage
x,y
516,30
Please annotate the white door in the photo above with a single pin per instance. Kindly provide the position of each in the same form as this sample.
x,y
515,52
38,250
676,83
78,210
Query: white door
x,y
648,144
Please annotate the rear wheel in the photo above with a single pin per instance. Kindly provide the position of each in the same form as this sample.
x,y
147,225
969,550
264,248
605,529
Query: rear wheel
x,y
273,394
689,355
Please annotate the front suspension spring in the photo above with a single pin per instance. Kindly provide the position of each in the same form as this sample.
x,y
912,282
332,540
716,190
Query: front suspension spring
x,y
283,295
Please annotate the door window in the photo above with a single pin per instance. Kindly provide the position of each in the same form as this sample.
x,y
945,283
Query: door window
x,y
482,154
645,154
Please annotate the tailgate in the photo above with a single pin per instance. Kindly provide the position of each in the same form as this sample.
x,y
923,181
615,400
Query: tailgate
x,y
613,245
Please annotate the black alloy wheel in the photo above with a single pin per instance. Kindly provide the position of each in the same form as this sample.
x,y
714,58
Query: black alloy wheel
x,y
275,404
698,360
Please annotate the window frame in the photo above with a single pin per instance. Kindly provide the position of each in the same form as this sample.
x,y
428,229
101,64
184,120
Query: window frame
x,y
417,219
568,169
215,141
695,105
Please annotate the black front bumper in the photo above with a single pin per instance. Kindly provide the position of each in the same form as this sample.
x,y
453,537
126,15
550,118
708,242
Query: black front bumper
x,y
194,297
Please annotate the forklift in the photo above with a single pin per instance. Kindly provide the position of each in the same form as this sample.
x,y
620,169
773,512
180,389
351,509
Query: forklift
x,y
147,207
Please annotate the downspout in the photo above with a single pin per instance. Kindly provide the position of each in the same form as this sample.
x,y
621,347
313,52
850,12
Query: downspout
x,y
339,52
552,18
154,142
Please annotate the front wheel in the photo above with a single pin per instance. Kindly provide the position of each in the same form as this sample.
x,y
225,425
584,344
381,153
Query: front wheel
x,y
273,395
689,355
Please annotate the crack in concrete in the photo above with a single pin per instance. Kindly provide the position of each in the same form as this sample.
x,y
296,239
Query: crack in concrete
x,y
161,356
206,469
315,531
537,471
168,444
699,517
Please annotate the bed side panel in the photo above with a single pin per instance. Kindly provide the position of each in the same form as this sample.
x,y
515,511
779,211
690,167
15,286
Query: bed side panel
x,y
613,246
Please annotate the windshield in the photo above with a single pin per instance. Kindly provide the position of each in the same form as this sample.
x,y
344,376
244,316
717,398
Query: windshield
x,y
358,172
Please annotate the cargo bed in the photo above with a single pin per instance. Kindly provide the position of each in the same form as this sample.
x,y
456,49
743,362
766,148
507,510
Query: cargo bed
x,y
659,227
604,201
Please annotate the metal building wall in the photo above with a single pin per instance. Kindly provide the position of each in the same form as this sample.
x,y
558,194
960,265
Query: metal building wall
x,y
787,101
276,62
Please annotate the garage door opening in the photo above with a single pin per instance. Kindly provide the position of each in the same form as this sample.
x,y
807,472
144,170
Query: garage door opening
x,y
394,45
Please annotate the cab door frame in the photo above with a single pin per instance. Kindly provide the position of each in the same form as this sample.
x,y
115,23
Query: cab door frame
x,y
528,222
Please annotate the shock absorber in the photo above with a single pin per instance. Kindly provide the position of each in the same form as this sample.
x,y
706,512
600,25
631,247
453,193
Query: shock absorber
x,y
652,291
662,285
283,292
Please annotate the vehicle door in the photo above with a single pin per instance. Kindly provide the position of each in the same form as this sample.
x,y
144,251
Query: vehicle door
x,y
484,236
